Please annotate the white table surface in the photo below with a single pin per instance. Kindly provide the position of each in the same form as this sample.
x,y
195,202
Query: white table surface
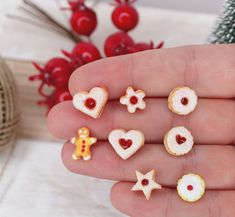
x,y
33,181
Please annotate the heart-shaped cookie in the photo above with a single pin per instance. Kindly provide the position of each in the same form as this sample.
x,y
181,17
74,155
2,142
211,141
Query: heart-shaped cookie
x,y
126,143
91,103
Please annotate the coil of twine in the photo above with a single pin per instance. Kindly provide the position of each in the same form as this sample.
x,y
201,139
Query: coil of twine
x,y
9,113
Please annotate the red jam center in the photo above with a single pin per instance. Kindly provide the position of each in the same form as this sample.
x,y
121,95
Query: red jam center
x,y
125,144
184,101
133,100
90,103
145,182
190,187
180,139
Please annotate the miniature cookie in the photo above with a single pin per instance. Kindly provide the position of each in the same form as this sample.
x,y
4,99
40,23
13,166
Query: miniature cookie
x,y
126,143
146,183
91,103
182,100
133,100
178,141
191,187
83,143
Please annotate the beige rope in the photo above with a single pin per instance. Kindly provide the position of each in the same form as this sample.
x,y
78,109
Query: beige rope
x,y
9,113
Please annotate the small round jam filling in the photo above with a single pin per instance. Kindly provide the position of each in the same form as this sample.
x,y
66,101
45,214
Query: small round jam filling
x,y
190,187
125,144
180,139
83,150
145,182
133,100
90,103
83,141
184,101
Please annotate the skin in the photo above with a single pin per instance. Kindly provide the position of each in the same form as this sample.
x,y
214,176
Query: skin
x,y
210,71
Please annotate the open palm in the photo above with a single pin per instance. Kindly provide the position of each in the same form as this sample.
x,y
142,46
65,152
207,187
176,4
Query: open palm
x,y
210,71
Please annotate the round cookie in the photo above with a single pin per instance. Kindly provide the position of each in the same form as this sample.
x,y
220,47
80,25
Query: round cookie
x,y
182,100
191,187
178,141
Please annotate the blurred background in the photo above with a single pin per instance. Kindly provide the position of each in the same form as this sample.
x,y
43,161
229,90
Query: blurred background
x,y
202,6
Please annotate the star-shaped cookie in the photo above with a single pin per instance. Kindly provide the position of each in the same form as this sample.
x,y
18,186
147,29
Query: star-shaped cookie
x,y
146,183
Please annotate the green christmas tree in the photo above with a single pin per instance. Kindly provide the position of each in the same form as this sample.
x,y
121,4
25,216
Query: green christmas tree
x,y
225,28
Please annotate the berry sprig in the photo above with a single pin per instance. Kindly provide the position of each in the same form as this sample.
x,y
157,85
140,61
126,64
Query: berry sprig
x,y
82,53
83,21
55,73
125,17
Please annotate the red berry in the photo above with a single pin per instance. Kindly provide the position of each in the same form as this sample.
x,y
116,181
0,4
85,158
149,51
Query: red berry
x,y
118,44
56,73
83,19
57,96
125,17
83,53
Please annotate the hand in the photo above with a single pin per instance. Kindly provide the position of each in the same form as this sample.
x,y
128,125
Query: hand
x,y
210,71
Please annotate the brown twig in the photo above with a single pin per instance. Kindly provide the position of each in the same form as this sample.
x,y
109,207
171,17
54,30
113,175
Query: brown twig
x,y
35,23
39,17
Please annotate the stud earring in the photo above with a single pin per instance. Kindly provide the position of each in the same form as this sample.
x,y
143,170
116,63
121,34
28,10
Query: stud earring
x,y
178,141
91,103
191,187
126,143
133,100
83,143
182,100
146,183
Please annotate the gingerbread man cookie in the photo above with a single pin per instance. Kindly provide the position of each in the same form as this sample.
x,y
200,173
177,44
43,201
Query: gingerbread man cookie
x,y
83,143
182,100
133,100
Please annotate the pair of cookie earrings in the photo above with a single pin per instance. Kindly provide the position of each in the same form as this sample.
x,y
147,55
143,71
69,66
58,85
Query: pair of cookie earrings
x,y
190,187
93,103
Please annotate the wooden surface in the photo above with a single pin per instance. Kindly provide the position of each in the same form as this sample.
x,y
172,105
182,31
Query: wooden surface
x,y
33,119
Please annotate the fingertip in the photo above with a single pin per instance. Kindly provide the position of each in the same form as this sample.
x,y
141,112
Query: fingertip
x,y
52,119
118,200
73,80
60,120
84,77
66,157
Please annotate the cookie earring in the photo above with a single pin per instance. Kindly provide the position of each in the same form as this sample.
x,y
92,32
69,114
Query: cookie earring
x,y
191,187
182,100
133,100
83,143
91,103
126,143
146,183
178,141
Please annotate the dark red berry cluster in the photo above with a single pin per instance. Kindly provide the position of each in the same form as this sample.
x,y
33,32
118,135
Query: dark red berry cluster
x,y
83,21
